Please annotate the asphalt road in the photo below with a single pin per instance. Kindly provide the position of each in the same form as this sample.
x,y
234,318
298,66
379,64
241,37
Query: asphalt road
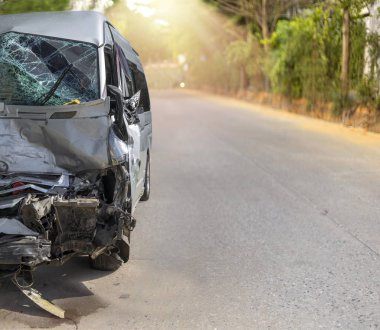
x,y
257,220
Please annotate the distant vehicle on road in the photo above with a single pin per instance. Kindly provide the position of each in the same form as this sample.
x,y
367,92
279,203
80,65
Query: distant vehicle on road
x,y
76,136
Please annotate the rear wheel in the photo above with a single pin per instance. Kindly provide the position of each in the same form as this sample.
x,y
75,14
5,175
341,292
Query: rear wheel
x,y
146,193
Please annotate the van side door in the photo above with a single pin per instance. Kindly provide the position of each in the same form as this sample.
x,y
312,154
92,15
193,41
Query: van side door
x,y
136,156
144,114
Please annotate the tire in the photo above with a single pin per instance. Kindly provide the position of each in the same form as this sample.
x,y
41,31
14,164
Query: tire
x,y
113,261
107,262
146,193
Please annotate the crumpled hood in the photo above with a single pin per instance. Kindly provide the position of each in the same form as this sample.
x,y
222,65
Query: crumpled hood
x,y
55,140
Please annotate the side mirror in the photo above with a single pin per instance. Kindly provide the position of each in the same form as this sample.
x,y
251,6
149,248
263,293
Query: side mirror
x,y
127,107
133,102
117,95
114,91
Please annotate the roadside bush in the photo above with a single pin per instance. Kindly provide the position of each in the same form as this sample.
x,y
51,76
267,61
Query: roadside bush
x,y
373,46
306,56
358,46
246,57
368,88
304,61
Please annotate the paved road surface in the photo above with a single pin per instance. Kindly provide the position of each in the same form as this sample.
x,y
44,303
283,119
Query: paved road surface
x,y
257,220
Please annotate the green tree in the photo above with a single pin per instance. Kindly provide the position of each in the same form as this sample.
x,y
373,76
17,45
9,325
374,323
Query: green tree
x,y
305,55
263,13
23,6
350,9
245,55
373,43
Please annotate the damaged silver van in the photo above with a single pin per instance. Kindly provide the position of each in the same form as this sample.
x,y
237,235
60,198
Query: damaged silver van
x,y
75,141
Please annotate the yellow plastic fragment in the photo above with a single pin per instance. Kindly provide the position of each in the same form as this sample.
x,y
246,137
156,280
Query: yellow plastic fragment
x,y
73,102
37,298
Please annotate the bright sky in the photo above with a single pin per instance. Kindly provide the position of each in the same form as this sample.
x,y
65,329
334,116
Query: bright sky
x,y
184,27
163,12
143,7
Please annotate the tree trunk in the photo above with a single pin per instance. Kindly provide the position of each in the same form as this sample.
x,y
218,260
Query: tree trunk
x,y
264,24
243,79
266,36
345,53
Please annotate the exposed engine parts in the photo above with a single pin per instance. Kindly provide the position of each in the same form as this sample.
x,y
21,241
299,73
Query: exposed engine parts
x,y
49,220
90,215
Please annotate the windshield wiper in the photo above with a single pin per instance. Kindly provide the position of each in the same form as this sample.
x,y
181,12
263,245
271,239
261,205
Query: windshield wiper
x,y
52,90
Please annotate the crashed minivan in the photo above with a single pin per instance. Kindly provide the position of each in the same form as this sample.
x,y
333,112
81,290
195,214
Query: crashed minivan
x,y
75,141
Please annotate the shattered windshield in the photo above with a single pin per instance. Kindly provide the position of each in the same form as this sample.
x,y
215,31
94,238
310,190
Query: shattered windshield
x,y
37,70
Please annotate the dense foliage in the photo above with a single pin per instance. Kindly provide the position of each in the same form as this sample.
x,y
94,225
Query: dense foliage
x,y
23,6
320,52
306,55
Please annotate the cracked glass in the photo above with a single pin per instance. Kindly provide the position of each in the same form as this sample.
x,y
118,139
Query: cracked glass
x,y
36,70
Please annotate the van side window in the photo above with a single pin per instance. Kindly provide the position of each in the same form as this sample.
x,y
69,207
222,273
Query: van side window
x,y
107,34
125,73
127,85
109,67
141,85
129,58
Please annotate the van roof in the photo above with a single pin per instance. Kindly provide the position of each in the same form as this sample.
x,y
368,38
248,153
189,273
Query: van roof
x,y
84,26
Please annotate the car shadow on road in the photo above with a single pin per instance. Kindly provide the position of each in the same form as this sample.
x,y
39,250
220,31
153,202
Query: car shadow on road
x,y
55,283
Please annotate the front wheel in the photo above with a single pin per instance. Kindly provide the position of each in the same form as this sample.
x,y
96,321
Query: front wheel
x,y
115,257
107,262
146,193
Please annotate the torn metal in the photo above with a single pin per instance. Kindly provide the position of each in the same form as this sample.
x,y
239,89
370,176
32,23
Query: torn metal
x,y
47,216
63,187
23,280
